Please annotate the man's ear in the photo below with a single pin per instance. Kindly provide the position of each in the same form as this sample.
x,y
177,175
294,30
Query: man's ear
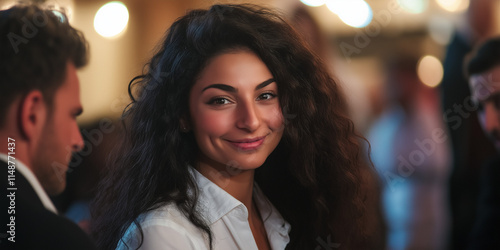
x,y
32,115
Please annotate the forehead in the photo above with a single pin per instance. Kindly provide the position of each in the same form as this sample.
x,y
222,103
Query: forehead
x,y
485,84
69,91
236,67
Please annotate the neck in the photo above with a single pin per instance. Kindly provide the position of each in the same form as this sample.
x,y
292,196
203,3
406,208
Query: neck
x,y
14,147
236,182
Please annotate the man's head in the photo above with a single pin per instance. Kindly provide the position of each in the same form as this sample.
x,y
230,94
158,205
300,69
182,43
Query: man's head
x,y
39,89
483,69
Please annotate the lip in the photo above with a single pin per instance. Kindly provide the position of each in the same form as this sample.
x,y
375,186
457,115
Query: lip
x,y
248,144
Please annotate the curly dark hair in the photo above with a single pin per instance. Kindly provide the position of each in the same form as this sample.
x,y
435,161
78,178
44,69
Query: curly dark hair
x,y
36,43
313,176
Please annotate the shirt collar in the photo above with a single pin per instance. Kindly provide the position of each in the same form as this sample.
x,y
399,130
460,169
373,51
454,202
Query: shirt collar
x,y
214,202
33,181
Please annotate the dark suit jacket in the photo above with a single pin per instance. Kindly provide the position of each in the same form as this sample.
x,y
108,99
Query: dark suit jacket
x,y
35,226
486,231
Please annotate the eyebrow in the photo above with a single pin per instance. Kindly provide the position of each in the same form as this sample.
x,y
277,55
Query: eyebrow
x,y
233,90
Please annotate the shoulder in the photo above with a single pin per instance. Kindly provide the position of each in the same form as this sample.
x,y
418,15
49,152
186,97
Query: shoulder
x,y
42,229
163,228
62,232
32,225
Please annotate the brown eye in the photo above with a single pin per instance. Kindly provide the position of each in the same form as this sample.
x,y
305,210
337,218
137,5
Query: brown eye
x,y
266,96
218,101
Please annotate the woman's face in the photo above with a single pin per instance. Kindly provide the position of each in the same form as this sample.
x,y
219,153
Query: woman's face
x,y
235,113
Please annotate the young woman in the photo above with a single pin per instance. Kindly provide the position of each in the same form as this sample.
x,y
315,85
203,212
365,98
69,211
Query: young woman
x,y
237,139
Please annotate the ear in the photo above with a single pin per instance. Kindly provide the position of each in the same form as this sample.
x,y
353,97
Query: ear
x,y
32,115
184,124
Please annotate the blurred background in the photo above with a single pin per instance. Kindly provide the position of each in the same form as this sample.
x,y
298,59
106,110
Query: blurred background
x,y
400,65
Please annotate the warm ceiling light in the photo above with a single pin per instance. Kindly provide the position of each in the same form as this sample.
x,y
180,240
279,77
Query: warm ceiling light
x,y
111,19
355,13
430,71
454,5
414,6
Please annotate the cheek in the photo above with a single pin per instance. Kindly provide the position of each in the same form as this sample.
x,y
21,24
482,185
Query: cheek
x,y
276,119
210,122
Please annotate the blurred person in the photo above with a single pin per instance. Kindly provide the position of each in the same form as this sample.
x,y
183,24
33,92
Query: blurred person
x,y
483,69
411,155
355,90
469,145
39,102
243,144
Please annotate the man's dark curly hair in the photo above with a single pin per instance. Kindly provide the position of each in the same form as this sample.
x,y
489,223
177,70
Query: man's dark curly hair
x,y
36,44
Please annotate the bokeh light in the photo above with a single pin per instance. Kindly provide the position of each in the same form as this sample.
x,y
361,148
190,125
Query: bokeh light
x,y
111,19
7,4
313,3
440,29
454,5
59,15
430,71
355,13
335,6
414,6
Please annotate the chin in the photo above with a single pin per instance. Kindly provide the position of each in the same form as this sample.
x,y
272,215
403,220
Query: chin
x,y
56,189
248,165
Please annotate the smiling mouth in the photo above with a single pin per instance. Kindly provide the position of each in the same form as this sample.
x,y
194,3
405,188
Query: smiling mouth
x,y
248,144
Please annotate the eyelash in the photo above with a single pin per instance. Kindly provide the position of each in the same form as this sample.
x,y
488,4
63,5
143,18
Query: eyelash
x,y
214,100
272,95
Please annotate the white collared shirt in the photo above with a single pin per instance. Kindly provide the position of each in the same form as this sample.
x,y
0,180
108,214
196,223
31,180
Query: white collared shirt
x,y
33,181
167,228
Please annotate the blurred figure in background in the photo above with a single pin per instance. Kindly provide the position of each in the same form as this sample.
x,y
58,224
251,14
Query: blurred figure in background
x,y
469,145
411,154
483,70
354,88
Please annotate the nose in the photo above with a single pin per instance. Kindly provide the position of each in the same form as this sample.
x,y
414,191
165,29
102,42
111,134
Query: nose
x,y
248,117
491,119
77,140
